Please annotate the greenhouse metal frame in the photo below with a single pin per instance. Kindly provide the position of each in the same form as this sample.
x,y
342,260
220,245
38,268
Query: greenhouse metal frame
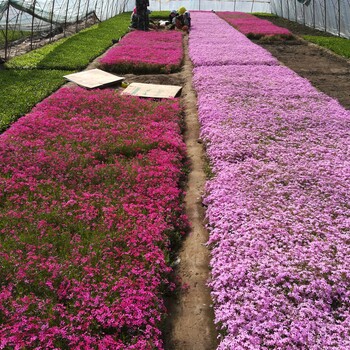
x,y
331,16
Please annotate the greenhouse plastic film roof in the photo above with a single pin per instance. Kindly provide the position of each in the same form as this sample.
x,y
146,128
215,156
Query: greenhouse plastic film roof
x,y
57,12
332,16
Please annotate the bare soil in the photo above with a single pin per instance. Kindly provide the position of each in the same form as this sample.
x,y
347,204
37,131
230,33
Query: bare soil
x,y
190,323
325,70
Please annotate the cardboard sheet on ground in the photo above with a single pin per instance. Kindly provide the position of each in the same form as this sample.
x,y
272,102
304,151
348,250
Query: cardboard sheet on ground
x,y
93,78
152,90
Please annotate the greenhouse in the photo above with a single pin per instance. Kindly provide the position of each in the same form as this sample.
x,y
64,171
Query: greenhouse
x,y
174,175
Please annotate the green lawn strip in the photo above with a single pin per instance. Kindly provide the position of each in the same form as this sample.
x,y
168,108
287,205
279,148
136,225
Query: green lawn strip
x,y
12,35
263,14
159,15
77,51
340,46
21,90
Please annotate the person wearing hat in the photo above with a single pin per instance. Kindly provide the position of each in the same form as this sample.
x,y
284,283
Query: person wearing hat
x,y
187,19
182,10
172,15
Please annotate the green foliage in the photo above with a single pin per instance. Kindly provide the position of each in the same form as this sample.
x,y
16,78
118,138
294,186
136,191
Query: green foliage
x,y
159,14
340,46
77,51
21,90
141,68
12,35
263,14
32,59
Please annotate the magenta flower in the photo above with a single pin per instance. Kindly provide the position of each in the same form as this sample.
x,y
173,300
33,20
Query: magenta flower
x,y
254,27
145,52
90,201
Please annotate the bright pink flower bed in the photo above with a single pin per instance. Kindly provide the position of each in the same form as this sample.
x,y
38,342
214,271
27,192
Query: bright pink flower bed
x,y
145,52
254,27
90,203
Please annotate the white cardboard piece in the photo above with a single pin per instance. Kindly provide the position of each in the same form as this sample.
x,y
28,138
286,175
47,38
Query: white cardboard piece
x,y
93,78
152,90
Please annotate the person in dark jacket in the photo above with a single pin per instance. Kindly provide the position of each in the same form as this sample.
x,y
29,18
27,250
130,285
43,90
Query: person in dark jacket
x,y
142,14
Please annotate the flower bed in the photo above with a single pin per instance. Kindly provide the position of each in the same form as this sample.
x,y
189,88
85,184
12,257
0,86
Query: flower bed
x,y
30,77
253,27
214,42
90,206
145,52
277,207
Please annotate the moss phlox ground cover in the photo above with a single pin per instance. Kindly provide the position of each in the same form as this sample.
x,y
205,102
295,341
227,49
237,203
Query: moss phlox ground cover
x,y
202,51
155,51
254,27
277,206
31,77
90,203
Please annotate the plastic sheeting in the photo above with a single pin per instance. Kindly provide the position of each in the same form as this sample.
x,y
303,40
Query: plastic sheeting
x,y
332,16
19,13
215,5
59,14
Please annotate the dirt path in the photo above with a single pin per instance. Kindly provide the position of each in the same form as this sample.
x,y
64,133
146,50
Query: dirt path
x,y
190,323
327,71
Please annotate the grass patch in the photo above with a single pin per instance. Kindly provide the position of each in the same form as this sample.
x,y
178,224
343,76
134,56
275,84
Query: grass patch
x,y
159,15
77,51
12,35
340,46
21,90
263,14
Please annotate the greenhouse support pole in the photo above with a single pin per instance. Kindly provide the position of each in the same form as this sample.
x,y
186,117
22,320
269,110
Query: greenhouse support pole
x,y
325,15
296,11
112,10
77,19
32,28
303,14
338,17
101,12
288,10
65,20
282,8
87,11
116,8
313,13
108,9
7,30
51,18
251,10
234,5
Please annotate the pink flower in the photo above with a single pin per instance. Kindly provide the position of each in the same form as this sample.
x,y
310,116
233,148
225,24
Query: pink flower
x,y
90,200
